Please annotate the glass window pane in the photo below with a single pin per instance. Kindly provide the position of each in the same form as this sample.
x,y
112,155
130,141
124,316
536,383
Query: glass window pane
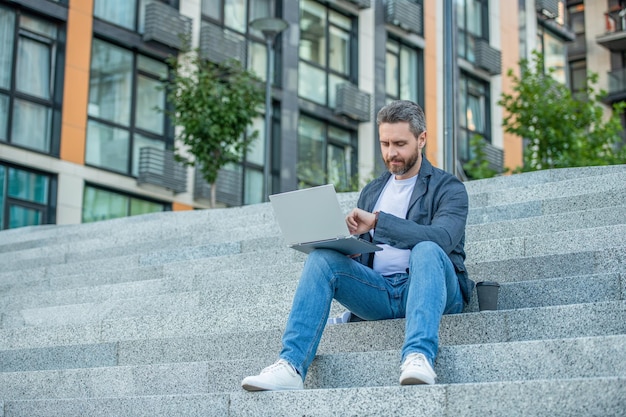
x,y
392,75
474,18
554,55
28,186
338,167
340,20
31,125
143,142
2,181
313,32
333,82
256,154
139,206
107,147
38,26
259,8
119,12
310,165
257,59
34,68
235,14
7,30
149,97
339,135
152,66
212,8
312,83
23,216
4,115
339,51
110,83
408,74
253,193
102,205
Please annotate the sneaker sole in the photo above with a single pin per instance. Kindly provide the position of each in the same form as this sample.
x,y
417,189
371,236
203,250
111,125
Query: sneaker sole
x,y
417,380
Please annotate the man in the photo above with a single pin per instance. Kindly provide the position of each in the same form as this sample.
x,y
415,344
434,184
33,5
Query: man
x,y
417,214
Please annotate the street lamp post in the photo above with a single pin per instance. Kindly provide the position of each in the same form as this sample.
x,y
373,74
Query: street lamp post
x,y
270,27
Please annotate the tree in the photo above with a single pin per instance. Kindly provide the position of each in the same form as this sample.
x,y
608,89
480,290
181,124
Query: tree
x,y
562,129
213,105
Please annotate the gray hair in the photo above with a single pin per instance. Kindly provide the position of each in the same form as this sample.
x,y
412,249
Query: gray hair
x,y
404,111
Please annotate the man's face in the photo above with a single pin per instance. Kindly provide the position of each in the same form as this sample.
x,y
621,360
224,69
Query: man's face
x,y
401,151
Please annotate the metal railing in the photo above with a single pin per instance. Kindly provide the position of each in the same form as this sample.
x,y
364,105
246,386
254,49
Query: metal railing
x,y
159,167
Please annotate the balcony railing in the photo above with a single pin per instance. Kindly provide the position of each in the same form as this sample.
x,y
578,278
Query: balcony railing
x,y
217,45
362,4
165,25
353,102
159,167
228,186
405,14
617,82
488,57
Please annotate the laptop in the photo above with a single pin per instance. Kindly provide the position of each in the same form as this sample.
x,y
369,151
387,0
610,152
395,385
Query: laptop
x,y
312,219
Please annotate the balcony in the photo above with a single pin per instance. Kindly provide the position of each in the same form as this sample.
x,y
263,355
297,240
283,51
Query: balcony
x,y
488,58
159,167
405,14
617,86
217,45
353,102
229,186
615,37
163,24
361,4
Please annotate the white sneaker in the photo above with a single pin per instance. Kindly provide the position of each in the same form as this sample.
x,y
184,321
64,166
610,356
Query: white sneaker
x,y
279,376
417,370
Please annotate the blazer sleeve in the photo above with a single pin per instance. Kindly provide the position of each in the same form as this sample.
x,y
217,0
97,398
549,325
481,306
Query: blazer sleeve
x,y
449,208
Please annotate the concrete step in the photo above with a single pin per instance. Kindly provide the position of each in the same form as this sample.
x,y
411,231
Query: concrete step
x,y
554,398
153,227
538,177
551,223
278,295
565,321
590,357
576,263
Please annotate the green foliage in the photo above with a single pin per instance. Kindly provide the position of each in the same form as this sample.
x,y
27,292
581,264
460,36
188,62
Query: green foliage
x,y
562,130
212,105
478,165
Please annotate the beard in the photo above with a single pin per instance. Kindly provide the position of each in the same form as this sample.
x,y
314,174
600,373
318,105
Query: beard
x,y
406,164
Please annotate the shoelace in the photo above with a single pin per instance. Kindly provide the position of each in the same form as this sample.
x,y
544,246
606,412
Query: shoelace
x,y
417,360
275,367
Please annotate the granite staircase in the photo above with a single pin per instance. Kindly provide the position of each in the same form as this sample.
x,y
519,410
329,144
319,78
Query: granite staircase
x,y
164,314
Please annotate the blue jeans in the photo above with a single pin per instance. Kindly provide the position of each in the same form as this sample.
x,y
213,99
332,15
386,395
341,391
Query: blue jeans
x,y
429,290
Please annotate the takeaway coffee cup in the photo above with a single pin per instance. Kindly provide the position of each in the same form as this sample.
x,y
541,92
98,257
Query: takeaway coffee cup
x,y
487,295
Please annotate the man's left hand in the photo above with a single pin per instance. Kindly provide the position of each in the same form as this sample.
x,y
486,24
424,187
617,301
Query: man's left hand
x,y
360,221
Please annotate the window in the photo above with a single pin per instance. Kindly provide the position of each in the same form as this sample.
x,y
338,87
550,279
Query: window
x,y
27,198
123,93
554,55
474,113
404,72
234,16
472,21
29,70
326,52
101,204
129,14
326,154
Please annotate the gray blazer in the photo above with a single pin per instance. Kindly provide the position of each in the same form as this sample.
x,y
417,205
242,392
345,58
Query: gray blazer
x,y
437,212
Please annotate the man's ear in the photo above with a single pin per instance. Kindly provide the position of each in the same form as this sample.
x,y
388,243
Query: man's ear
x,y
421,140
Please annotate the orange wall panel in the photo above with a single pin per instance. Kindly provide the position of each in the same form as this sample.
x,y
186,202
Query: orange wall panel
x,y
76,86
431,81
176,206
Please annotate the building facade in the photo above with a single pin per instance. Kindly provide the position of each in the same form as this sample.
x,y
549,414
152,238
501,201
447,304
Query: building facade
x,y
81,138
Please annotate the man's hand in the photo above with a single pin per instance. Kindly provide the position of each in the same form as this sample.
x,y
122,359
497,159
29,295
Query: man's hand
x,y
360,221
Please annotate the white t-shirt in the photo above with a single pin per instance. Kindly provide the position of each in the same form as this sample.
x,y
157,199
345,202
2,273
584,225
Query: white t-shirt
x,y
394,200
